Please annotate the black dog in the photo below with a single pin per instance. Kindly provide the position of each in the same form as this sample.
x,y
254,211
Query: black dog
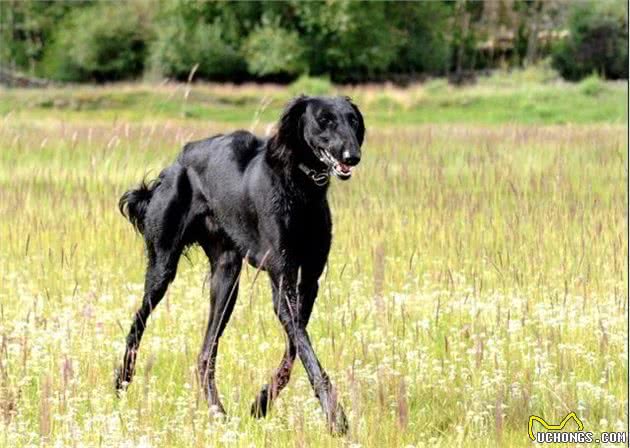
x,y
241,197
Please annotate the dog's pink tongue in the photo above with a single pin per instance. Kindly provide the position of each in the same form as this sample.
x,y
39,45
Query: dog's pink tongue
x,y
345,168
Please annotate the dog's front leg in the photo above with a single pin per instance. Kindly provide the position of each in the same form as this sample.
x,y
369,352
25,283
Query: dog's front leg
x,y
287,307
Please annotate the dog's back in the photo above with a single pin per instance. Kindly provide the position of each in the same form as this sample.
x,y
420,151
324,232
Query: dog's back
x,y
211,170
238,148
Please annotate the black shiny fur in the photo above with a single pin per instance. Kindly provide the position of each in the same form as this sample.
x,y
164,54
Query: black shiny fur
x,y
242,197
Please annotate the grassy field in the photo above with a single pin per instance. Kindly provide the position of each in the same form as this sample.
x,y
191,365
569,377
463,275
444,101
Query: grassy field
x,y
521,97
477,276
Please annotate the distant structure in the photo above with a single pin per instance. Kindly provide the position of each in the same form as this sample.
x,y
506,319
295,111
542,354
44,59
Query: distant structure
x,y
10,78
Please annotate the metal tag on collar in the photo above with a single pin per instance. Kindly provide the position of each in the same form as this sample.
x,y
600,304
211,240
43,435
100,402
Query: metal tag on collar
x,y
320,179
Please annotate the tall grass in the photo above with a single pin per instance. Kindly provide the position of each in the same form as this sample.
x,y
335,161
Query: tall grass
x,y
477,276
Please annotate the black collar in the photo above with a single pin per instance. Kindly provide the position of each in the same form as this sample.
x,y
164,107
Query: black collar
x,y
320,178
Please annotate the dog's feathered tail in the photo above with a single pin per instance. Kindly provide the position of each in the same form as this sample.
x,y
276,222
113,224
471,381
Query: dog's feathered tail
x,y
134,203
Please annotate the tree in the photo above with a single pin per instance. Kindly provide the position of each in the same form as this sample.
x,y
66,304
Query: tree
x,y
100,43
597,41
271,50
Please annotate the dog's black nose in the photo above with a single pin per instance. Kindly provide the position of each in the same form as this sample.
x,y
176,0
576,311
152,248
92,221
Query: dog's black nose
x,y
350,159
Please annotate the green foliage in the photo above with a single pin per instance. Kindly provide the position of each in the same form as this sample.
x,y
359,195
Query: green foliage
x,y
501,99
180,46
345,41
26,28
100,43
271,50
423,46
597,43
436,86
592,85
532,75
351,41
309,85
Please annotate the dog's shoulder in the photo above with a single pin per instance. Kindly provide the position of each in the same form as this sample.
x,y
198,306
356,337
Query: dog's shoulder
x,y
244,140
239,146
200,145
245,147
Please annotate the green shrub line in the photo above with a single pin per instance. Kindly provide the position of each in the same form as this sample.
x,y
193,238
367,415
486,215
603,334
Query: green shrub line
x,y
346,42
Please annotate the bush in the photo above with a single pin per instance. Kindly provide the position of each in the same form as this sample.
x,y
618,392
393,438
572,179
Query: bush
x,y
311,86
597,43
436,86
100,40
541,73
26,28
179,46
349,41
592,85
99,43
420,32
274,51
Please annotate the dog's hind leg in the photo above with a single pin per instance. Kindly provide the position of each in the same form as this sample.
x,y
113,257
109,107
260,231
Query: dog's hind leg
x,y
161,270
226,264
164,228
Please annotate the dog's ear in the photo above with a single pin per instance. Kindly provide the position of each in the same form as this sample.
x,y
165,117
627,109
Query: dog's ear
x,y
360,130
289,127
289,132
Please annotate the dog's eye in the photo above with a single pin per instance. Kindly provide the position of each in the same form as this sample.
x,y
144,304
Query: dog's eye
x,y
353,121
324,121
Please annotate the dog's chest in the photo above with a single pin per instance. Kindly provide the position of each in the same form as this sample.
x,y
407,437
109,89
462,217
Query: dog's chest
x,y
306,223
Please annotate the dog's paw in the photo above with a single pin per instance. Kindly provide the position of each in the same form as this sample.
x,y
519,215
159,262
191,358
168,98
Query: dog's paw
x,y
259,406
338,425
120,382
217,412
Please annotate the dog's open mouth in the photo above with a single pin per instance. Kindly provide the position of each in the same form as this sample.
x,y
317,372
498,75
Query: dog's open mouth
x,y
340,170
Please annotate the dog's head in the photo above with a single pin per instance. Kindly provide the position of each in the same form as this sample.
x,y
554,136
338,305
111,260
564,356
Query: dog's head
x,y
324,133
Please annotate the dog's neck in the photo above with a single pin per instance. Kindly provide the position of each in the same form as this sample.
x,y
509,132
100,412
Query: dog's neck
x,y
305,175
319,178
